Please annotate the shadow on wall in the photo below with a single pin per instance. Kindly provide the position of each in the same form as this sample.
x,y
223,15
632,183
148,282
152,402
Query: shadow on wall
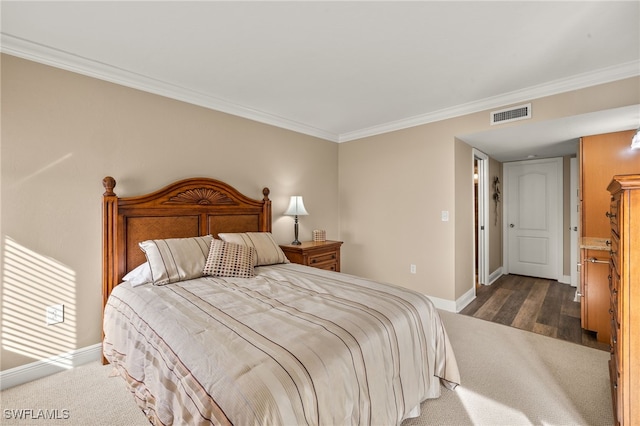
x,y
32,283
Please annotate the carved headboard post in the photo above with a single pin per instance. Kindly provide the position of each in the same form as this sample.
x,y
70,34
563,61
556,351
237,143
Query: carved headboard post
x,y
109,218
109,254
266,217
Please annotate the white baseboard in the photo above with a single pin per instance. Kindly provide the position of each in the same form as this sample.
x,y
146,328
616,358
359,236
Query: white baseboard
x,y
465,299
444,304
495,275
453,306
39,369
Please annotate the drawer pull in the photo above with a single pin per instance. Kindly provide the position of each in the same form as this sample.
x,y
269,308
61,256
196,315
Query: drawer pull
x,y
314,260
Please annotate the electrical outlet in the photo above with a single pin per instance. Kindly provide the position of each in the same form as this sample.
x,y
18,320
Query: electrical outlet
x,y
55,314
445,215
412,268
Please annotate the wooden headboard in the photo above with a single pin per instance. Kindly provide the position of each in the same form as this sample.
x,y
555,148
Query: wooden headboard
x,y
187,208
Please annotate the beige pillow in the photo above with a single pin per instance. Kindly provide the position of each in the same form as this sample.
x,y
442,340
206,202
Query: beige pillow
x,y
229,260
268,252
176,259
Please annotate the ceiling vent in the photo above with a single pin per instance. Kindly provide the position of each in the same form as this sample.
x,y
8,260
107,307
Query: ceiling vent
x,y
520,112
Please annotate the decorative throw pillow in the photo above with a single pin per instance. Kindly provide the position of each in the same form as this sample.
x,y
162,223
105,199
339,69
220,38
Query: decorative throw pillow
x,y
268,252
176,259
229,260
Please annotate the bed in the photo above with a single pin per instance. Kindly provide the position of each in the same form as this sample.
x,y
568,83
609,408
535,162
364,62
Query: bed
x,y
208,323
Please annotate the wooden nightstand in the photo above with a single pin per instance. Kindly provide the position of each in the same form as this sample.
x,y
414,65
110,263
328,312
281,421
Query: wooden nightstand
x,y
319,254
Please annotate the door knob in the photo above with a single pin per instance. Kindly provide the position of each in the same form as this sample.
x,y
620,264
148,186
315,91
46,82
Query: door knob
x,y
511,225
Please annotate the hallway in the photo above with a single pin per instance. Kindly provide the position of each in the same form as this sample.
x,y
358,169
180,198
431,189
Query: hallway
x,y
538,305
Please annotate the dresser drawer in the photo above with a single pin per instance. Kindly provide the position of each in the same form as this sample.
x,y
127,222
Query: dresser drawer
x,y
614,285
613,215
613,377
615,254
615,329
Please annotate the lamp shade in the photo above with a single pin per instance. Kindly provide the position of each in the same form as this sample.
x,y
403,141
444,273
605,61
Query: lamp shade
x,y
296,207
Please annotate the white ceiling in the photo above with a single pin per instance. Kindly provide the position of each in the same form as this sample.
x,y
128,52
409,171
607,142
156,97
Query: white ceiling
x,y
345,70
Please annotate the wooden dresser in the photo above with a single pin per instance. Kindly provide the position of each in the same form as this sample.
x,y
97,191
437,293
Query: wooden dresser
x,y
319,254
624,283
600,158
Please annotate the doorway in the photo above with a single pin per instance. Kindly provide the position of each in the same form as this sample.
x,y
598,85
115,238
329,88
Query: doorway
x,y
481,215
533,235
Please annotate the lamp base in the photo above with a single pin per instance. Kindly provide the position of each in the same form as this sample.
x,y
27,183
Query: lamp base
x,y
295,233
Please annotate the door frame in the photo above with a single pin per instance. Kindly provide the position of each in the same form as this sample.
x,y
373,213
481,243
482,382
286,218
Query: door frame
x,y
559,213
574,222
482,235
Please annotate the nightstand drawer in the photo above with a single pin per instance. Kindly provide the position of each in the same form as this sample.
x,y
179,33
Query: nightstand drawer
x,y
318,259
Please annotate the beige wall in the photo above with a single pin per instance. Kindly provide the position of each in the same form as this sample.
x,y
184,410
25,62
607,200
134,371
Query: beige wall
x,y
383,195
464,211
62,133
394,186
392,190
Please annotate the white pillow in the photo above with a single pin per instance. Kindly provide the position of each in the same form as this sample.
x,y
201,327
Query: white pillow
x,y
176,259
268,252
139,275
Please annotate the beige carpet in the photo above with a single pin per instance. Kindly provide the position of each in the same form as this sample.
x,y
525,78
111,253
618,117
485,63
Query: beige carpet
x,y
510,377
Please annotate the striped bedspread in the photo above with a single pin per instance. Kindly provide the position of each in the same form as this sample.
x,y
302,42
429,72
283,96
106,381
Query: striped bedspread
x,y
293,346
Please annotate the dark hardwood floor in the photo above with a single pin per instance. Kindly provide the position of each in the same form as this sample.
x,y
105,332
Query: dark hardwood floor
x,y
534,304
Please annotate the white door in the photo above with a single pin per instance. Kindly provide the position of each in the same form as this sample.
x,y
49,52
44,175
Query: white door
x,y
533,206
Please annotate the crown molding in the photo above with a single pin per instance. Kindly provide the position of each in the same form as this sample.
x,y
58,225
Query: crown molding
x,y
56,58
59,59
579,81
